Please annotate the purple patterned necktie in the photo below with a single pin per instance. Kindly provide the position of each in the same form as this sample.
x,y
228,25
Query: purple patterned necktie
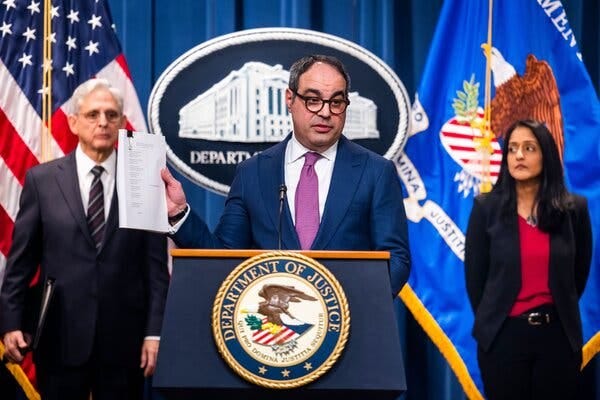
x,y
307,202
95,213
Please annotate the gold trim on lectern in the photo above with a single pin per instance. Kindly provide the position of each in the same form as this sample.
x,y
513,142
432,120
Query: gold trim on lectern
x,y
225,253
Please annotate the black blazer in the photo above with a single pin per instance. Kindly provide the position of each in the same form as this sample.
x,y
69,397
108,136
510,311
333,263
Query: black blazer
x,y
110,300
493,267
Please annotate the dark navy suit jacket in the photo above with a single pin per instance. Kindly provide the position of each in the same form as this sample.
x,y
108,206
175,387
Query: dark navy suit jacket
x,y
107,301
364,209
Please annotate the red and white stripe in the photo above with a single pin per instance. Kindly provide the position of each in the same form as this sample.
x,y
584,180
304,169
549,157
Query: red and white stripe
x,y
267,338
458,138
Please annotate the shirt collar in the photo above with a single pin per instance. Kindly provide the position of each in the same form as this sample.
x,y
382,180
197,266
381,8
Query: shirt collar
x,y
85,163
297,150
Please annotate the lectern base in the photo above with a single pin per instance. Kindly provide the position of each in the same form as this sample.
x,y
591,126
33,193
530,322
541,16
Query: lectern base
x,y
292,394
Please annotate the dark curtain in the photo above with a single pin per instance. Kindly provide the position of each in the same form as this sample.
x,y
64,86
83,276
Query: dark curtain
x,y
154,33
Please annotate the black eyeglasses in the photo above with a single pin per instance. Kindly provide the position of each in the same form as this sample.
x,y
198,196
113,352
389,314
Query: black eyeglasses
x,y
315,104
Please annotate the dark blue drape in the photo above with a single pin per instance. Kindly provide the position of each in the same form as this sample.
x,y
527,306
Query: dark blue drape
x,y
154,33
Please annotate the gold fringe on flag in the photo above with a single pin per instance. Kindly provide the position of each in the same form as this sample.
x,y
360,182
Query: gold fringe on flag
x,y
20,377
441,340
590,349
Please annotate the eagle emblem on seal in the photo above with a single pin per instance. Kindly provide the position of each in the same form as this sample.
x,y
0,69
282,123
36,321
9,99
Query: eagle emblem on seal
x,y
277,327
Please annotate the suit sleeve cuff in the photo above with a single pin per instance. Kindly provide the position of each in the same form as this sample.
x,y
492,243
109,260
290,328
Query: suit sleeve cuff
x,y
175,227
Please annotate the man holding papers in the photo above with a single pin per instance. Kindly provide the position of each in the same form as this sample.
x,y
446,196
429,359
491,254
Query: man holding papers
x,y
103,323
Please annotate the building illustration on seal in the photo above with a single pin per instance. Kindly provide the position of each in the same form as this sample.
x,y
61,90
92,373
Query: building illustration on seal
x,y
248,106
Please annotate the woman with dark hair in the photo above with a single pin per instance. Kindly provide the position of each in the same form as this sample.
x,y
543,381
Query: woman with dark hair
x,y
527,259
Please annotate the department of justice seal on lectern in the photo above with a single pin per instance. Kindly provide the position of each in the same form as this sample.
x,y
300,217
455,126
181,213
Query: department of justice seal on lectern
x,y
280,320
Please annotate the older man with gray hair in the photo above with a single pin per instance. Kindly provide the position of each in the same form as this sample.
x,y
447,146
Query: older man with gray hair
x,y
103,324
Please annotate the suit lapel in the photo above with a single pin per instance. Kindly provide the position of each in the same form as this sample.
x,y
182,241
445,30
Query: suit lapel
x,y
558,241
514,239
67,181
271,176
347,172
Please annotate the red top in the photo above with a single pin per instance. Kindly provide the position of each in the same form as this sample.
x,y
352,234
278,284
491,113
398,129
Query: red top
x,y
535,260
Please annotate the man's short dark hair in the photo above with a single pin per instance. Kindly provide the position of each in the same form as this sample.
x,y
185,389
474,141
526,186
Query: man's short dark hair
x,y
302,65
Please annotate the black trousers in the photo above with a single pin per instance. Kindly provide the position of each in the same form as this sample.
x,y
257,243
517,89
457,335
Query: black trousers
x,y
530,362
103,381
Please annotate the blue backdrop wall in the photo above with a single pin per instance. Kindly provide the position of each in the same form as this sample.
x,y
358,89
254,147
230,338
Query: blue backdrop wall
x,y
154,33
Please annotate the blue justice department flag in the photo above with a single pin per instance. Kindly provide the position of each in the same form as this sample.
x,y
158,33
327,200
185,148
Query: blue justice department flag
x,y
534,53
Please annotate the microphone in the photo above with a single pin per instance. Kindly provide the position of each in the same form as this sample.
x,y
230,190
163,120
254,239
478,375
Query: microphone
x,y
282,194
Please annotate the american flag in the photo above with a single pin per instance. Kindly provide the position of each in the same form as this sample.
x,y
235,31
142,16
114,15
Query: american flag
x,y
83,44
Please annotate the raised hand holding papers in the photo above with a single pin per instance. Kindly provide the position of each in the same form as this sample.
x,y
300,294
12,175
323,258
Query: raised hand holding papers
x,y
140,189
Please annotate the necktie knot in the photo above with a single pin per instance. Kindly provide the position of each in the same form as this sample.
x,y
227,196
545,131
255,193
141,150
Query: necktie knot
x,y
311,158
97,171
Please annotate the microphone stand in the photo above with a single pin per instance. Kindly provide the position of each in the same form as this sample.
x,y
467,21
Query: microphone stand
x,y
282,194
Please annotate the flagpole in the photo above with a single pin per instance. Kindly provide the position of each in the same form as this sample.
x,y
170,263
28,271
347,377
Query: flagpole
x,y
484,144
47,84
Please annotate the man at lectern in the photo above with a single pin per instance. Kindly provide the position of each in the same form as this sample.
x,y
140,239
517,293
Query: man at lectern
x,y
336,194
104,319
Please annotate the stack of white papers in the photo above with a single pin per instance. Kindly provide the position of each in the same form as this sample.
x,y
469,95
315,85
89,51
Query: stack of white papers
x,y
140,189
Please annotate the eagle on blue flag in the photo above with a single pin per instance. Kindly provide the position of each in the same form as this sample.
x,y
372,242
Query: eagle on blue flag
x,y
487,68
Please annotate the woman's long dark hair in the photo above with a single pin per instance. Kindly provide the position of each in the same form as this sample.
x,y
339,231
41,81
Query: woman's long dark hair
x,y
552,198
